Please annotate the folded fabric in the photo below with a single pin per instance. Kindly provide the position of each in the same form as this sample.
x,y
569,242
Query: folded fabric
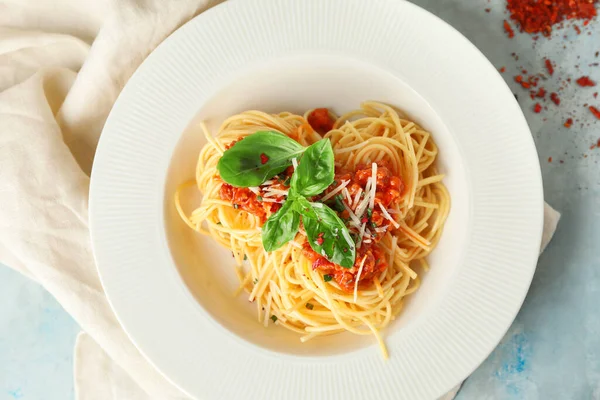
x,y
55,94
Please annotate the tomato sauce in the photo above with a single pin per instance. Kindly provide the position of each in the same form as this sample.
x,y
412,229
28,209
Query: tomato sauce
x,y
389,191
374,265
247,200
320,120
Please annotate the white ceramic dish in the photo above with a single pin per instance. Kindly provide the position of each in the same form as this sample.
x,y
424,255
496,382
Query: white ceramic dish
x,y
172,290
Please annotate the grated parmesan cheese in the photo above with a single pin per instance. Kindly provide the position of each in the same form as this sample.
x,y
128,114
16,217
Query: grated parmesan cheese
x,y
254,189
361,233
275,192
373,185
347,194
295,163
362,207
353,216
357,197
388,216
267,200
336,190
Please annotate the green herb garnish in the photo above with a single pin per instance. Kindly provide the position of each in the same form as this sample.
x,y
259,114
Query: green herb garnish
x,y
274,318
327,278
243,166
259,198
281,227
309,306
315,173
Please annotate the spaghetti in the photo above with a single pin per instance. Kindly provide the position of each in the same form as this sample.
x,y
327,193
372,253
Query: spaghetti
x,y
387,191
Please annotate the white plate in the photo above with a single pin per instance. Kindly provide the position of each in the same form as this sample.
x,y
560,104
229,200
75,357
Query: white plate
x,y
172,290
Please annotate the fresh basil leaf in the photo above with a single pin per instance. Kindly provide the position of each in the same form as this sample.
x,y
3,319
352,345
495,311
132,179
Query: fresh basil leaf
x,y
257,158
303,207
329,237
281,227
316,169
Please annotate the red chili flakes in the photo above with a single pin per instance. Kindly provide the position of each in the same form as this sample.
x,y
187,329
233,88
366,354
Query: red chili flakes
x,y
320,239
535,16
541,93
537,108
577,29
596,95
487,10
508,29
595,111
549,159
502,70
520,81
549,66
555,99
263,158
569,123
585,81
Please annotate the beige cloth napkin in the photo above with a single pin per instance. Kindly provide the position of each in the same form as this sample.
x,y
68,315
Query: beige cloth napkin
x,y
62,65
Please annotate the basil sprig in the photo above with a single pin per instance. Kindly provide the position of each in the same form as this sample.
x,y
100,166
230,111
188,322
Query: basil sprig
x,y
315,171
257,158
261,156
280,228
328,236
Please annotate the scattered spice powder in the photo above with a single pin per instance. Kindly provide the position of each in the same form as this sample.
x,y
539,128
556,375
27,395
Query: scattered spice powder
x,y
569,123
595,111
502,70
549,66
549,159
541,92
585,81
508,29
536,16
577,29
555,99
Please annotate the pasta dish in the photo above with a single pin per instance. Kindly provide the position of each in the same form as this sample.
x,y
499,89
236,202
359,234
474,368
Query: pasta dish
x,y
330,219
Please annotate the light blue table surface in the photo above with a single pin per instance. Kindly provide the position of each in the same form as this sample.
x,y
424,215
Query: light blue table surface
x,y
552,351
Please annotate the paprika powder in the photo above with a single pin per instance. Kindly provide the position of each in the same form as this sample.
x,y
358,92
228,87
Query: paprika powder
x,y
538,16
